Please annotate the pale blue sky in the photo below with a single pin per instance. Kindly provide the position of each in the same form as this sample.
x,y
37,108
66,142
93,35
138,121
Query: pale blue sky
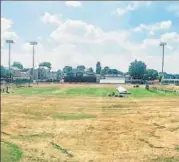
x,y
160,22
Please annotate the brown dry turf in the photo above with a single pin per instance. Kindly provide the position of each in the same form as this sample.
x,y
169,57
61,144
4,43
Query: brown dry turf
x,y
124,130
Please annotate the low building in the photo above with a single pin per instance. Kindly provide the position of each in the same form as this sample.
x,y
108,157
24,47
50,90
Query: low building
x,y
170,81
77,75
98,77
74,72
53,75
27,72
88,73
44,73
112,79
16,72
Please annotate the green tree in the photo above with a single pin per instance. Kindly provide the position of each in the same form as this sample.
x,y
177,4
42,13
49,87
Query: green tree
x,y
17,64
81,67
41,73
102,72
110,71
160,75
46,64
59,74
115,71
127,73
91,69
98,67
5,73
137,69
151,74
67,69
106,70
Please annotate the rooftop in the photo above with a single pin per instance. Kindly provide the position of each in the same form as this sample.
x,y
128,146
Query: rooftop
x,y
15,68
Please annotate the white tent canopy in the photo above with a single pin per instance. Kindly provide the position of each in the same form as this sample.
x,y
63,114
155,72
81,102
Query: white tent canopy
x,y
121,90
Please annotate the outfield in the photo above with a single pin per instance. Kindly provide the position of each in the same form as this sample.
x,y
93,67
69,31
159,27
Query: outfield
x,y
79,123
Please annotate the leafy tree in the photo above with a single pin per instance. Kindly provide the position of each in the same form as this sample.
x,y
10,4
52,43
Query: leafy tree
x,y
120,72
102,72
110,71
67,69
81,67
41,73
5,73
46,64
98,67
151,74
115,71
106,70
91,69
137,69
18,65
127,73
59,73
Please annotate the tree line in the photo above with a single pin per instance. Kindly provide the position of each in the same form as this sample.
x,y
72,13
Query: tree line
x,y
137,70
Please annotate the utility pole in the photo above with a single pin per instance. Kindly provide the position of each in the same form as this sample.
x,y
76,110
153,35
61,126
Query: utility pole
x,y
9,42
33,58
163,50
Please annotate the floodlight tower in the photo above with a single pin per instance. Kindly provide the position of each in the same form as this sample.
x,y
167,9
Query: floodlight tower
x,y
9,42
163,49
33,43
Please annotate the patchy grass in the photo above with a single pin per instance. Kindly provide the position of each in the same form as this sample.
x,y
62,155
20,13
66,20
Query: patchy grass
x,y
85,91
4,123
10,152
141,92
62,92
166,159
33,136
177,147
137,128
74,116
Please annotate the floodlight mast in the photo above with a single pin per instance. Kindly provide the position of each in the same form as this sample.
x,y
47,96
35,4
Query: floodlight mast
x,y
163,44
33,43
9,42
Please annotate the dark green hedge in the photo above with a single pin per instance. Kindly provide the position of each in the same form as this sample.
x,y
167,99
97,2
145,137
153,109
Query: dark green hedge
x,y
22,81
90,79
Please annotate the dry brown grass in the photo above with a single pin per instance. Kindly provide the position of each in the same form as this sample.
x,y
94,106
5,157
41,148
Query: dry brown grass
x,y
169,87
127,130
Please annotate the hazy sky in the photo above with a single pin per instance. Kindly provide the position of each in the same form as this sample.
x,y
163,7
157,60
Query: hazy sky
x,y
77,32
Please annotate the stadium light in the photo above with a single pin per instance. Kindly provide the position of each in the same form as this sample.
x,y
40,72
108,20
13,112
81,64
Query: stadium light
x,y
33,43
9,42
163,47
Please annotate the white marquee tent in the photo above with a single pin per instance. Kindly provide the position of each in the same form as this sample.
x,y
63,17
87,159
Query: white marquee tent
x,y
121,90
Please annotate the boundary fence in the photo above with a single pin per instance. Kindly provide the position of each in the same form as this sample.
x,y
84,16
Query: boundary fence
x,y
164,89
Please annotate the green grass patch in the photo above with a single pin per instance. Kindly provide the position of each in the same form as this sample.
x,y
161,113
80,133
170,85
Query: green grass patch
x,y
142,92
99,92
62,92
166,159
10,152
33,136
74,116
84,91
177,147
4,123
